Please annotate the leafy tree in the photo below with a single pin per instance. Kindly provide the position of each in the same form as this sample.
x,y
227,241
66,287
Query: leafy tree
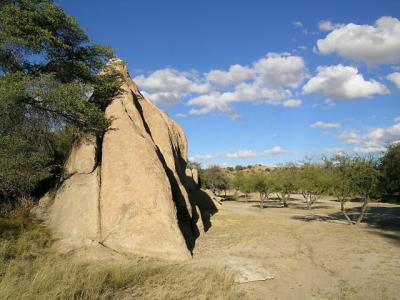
x,y
284,179
243,183
214,178
341,183
312,181
364,177
263,184
48,81
389,166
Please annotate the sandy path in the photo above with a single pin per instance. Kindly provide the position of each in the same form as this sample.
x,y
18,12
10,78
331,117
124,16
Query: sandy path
x,y
311,254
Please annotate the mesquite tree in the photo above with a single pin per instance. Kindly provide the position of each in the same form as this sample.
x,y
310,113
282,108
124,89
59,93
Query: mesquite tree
x,y
283,179
341,183
263,185
364,177
312,181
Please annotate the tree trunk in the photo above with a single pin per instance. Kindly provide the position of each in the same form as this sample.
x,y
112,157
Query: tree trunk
x,y
344,212
284,201
308,203
363,210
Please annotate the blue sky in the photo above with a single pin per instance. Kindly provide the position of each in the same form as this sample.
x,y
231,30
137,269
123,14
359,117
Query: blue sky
x,y
261,81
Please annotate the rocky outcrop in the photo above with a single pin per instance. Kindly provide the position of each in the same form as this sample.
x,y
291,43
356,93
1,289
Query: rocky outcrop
x,y
129,191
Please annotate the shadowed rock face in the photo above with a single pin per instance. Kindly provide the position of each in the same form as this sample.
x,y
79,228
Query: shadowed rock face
x,y
128,192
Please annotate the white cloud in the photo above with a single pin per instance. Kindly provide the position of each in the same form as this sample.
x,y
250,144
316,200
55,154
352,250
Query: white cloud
x,y
395,78
234,75
241,154
343,82
280,70
298,24
268,80
277,150
168,85
374,140
351,137
201,157
325,125
326,25
292,103
377,44
397,119
180,115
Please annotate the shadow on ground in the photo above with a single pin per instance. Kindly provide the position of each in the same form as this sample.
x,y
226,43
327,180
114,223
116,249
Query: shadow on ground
x,y
385,219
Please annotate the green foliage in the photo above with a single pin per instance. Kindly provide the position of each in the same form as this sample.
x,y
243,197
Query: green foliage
x,y
389,167
243,183
215,178
364,176
49,85
284,182
264,184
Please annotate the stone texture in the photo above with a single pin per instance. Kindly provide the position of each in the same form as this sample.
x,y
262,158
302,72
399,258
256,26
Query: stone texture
x,y
127,193
245,269
82,158
74,214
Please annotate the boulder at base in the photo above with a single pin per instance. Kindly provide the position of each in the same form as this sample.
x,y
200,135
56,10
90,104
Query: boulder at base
x,y
127,192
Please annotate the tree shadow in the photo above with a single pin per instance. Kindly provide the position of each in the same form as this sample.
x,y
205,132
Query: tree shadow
x,y
303,206
381,218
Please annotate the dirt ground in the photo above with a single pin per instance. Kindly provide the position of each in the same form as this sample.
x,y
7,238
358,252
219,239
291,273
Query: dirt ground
x,y
311,254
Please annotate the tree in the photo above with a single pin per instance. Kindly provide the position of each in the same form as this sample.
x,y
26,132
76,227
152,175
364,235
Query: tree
x,y
214,178
263,184
283,179
311,181
48,81
389,167
243,183
364,177
341,184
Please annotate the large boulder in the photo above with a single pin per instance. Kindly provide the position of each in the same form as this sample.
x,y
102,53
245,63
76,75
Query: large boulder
x,y
127,192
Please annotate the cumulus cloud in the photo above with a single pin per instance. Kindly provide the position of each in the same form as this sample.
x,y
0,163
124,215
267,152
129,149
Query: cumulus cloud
x,y
268,80
343,82
180,115
234,75
168,85
298,24
241,154
199,158
374,139
373,44
277,150
280,70
325,125
395,78
326,25
292,103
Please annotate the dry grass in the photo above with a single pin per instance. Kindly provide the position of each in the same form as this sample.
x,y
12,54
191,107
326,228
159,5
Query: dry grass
x,y
28,270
